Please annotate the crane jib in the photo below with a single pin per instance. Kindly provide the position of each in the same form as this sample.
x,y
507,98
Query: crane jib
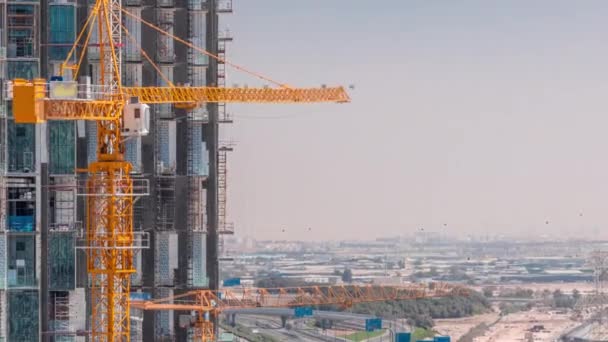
x,y
36,101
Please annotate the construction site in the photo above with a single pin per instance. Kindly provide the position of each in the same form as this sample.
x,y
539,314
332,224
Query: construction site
x,y
113,174
114,222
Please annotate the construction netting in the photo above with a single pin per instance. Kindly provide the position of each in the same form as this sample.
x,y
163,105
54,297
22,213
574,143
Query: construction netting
x,y
198,160
21,261
61,260
2,261
165,258
133,153
163,324
23,320
199,260
22,69
21,142
165,146
62,147
62,30
3,141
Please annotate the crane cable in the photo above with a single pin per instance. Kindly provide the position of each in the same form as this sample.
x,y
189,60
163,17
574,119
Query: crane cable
x,y
203,51
143,52
113,55
89,22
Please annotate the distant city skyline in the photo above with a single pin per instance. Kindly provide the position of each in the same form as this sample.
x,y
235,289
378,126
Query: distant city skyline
x,y
489,117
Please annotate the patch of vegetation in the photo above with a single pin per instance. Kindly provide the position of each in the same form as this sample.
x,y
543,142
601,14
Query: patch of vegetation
x,y
275,281
422,333
431,273
509,308
364,335
561,300
421,312
474,332
516,293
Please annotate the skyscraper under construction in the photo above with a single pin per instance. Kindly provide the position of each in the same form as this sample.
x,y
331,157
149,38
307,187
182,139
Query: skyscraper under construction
x,y
181,213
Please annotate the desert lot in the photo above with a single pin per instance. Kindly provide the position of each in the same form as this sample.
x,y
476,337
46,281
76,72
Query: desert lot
x,y
518,327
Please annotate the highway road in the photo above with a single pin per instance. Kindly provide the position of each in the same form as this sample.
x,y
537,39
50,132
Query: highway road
x,y
271,326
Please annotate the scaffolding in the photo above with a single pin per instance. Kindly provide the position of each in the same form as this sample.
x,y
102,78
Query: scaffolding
x,y
165,52
22,26
224,37
62,204
165,203
224,227
21,204
61,317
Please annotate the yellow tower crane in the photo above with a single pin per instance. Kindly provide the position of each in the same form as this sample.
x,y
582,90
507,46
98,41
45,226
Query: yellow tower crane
x,y
123,111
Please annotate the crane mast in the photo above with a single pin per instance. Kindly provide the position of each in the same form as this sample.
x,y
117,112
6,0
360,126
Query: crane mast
x,y
110,205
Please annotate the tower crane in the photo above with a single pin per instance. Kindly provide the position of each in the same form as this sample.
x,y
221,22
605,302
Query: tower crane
x,y
208,302
121,112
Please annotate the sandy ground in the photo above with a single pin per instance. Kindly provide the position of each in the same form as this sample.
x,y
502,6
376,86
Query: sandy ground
x,y
564,287
458,327
516,327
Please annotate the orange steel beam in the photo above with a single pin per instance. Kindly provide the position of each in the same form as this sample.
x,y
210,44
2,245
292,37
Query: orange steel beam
x,y
213,302
200,95
32,107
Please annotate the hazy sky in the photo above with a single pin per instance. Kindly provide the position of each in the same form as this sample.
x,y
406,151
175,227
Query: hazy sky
x,y
487,116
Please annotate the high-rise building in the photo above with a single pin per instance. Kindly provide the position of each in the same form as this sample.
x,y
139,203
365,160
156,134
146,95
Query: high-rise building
x,y
43,276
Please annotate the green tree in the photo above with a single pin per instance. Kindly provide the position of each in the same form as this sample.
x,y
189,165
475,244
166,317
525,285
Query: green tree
x,y
347,276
